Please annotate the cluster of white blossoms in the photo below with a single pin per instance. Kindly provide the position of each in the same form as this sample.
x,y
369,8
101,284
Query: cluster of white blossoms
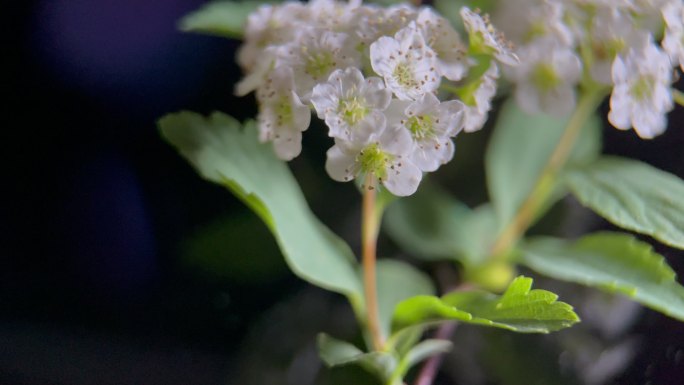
x,y
613,44
394,85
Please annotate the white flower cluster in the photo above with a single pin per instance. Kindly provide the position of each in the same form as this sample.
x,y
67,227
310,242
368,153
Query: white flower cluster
x,y
373,74
607,43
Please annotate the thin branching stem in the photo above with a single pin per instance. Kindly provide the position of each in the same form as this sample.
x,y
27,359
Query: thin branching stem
x,y
544,184
369,236
431,367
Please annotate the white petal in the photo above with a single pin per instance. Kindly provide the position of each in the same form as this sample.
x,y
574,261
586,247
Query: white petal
x,y
429,155
324,99
340,164
288,145
404,179
396,140
380,53
377,96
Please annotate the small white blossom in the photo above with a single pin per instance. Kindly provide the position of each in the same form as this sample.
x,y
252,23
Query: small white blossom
x,y
282,116
374,22
257,76
673,42
385,159
641,96
546,77
314,55
484,38
613,33
446,42
479,102
268,25
334,15
523,21
406,63
351,105
431,125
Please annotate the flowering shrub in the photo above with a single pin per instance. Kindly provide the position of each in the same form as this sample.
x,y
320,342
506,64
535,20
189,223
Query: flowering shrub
x,y
395,86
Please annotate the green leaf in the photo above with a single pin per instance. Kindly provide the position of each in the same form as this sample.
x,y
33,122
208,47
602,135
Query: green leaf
x,y
397,281
520,148
427,349
220,18
432,225
633,195
519,309
225,154
427,223
613,262
337,353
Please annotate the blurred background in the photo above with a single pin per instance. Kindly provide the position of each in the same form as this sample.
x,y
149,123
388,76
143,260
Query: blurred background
x,y
119,265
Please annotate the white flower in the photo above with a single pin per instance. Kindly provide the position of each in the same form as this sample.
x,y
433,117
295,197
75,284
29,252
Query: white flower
x,y
314,55
282,116
641,96
268,25
484,39
334,15
374,22
351,106
523,21
546,77
446,42
431,125
258,74
673,42
406,63
385,159
478,102
613,33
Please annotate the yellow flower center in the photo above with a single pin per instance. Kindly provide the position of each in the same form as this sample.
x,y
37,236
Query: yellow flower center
x,y
353,110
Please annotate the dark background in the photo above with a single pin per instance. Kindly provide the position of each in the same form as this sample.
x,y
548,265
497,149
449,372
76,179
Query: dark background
x,y
102,222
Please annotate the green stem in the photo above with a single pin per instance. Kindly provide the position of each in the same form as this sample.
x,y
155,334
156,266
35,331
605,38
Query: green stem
x,y
544,185
370,224
678,97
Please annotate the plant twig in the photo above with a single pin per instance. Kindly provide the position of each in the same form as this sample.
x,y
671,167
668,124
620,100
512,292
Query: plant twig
x,y
369,235
429,370
544,185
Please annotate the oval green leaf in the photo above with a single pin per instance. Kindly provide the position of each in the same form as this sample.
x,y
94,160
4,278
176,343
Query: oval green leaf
x,y
633,195
613,262
220,18
224,153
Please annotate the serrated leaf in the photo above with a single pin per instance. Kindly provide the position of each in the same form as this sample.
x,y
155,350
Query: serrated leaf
x,y
633,195
520,148
613,262
397,281
519,309
220,18
224,153
432,225
338,353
